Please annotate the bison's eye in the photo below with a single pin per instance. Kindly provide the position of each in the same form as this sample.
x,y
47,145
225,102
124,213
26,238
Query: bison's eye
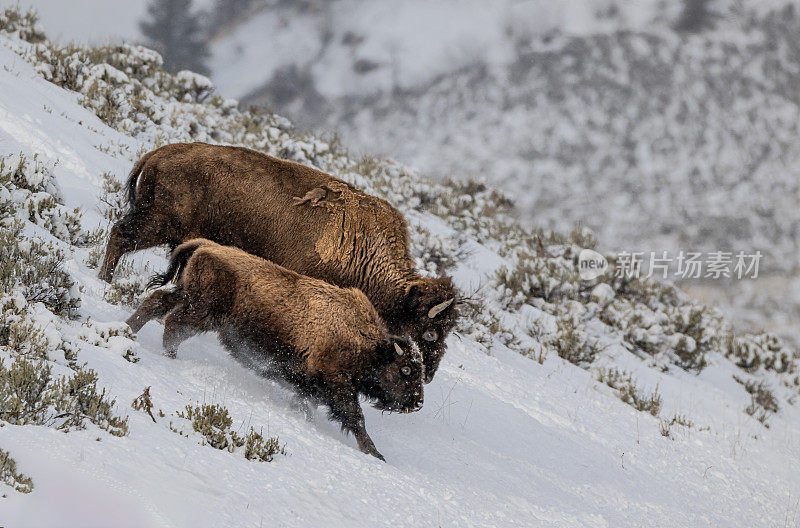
x,y
430,335
406,371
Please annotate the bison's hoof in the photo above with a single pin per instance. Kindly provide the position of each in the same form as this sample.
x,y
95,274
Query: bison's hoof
x,y
370,450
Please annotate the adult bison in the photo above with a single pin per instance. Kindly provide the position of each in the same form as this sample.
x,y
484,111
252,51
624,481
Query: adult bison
x,y
298,217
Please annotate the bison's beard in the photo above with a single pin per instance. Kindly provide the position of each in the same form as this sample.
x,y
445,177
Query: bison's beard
x,y
397,408
381,401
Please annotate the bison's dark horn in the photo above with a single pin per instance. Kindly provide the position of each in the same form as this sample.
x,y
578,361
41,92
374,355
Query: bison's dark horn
x,y
398,349
439,308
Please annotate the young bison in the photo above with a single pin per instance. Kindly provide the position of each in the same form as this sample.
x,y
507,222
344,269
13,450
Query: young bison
x,y
328,342
296,216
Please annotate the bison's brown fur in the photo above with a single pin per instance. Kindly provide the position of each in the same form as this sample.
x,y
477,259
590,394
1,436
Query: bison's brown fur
x,y
329,342
296,216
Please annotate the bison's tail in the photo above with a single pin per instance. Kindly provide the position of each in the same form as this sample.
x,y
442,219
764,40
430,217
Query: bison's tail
x,y
177,262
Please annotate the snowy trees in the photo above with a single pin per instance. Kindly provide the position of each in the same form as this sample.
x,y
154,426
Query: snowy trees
x,y
695,16
226,11
178,34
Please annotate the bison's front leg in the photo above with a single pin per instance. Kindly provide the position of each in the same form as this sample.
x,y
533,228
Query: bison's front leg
x,y
181,323
157,304
345,409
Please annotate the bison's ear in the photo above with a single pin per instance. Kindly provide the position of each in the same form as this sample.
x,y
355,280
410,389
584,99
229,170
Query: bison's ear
x,y
413,295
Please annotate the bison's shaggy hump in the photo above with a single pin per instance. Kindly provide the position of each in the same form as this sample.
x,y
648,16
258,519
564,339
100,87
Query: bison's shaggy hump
x,y
362,228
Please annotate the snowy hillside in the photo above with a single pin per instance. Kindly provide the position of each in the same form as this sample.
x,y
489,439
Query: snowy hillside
x,y
653,139
560,402
594,112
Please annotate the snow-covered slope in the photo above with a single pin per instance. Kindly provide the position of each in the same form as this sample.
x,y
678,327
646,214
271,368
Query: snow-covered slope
x,y
511,434
584,112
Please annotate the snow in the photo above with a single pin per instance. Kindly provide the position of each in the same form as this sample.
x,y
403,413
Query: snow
x,y
264,45
410,46
602,294
502,440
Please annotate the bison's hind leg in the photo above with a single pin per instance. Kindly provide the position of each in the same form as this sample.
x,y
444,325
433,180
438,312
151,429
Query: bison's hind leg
x,y
118,245
136,230
157,304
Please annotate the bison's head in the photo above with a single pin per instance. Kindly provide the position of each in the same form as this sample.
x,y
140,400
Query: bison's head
x,y
395,383
429,315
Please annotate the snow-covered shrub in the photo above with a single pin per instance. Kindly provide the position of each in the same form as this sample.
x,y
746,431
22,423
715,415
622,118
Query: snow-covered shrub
x,y
24,24
35,269
763,403
751,352
573,343
28,330
538,277
190,86
19,334
136,62
257,447
213,422
11,476
129,284
629,393
112,206
114,336
29,191
472,198
31,174
113,203
29,394
433,254
96,243
698,331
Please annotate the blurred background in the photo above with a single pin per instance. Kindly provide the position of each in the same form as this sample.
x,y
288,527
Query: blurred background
x,y
660,125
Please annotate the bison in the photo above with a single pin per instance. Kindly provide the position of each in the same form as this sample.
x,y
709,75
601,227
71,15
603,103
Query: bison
x,y
326,341
296,216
